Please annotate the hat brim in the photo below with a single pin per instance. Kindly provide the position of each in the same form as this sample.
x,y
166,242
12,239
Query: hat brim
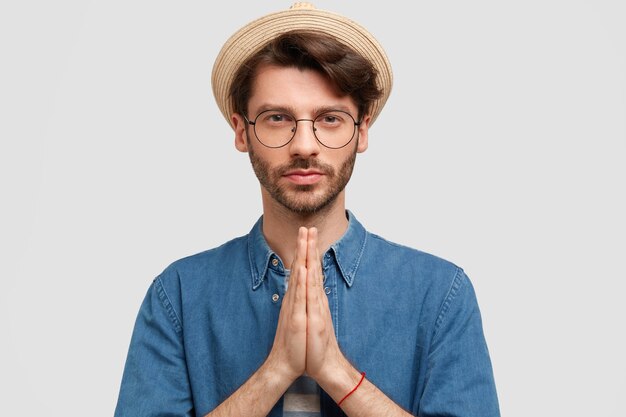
x,y
255,35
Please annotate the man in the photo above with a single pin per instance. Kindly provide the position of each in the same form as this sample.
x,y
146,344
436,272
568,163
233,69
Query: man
x,y
309,314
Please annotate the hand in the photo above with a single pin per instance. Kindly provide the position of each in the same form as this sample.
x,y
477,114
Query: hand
x,y
323,355
305,338
288,354
305,341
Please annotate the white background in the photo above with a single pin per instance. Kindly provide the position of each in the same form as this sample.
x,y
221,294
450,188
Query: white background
x,y
501,148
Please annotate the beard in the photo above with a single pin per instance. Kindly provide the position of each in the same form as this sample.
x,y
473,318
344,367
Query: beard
x,y
303,199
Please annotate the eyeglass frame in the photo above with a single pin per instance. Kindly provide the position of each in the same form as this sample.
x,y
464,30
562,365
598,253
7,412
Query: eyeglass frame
x,y
253,123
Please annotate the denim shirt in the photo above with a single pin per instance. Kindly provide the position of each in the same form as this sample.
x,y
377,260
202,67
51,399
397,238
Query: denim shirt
x,y
408,319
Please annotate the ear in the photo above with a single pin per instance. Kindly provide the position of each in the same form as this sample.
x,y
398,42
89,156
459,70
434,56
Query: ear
x,y
241,140
363,132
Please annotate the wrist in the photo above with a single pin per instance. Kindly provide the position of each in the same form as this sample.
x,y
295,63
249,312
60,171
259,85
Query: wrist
x,y
276,373
337,381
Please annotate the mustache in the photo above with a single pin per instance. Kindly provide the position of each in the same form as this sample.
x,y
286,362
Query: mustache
x,y
305,164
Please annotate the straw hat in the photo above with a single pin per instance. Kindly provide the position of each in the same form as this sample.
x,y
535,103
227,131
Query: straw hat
x,y
256,34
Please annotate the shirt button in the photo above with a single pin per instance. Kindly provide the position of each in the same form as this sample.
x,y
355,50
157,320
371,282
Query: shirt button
x,y
275,262
275,297
327,290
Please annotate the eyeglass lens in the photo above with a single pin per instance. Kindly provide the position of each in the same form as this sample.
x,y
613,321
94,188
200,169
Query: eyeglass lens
x,y
275,128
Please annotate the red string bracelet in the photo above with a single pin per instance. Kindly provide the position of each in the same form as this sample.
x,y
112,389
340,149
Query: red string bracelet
x,y
354,389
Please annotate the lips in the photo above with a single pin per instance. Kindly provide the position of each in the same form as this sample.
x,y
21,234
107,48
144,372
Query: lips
x,y
304,176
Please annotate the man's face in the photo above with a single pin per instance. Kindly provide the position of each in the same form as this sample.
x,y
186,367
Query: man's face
x,y
303,176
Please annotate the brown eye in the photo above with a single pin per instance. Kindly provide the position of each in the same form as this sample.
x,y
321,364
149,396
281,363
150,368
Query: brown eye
x,y
277,118
329,120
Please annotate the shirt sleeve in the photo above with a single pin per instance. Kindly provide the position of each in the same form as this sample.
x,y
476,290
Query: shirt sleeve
x,y
155,381
459,380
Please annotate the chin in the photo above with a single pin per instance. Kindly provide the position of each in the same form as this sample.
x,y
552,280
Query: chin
x,y
306,205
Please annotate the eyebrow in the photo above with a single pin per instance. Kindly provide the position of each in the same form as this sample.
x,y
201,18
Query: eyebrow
x,y
291,110
323,109
269,106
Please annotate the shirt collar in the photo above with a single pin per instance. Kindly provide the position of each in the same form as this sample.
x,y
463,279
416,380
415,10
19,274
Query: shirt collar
x,y
347,251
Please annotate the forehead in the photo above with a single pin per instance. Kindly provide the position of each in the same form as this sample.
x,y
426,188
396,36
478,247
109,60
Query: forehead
x,y
291,87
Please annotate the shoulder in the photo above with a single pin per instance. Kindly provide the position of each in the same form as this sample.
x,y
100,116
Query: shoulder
x,y
193,275
396,253
442,285
210,259
430,275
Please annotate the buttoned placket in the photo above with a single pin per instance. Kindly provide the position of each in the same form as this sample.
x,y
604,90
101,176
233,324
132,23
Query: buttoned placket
x,y
277,277
330,289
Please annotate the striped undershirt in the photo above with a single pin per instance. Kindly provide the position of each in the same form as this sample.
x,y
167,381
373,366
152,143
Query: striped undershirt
x,y
302,399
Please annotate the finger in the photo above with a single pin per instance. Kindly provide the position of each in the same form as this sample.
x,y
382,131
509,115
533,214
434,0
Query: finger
x,y
298,259
312,256
314,264
313,275
320,269
317,301
300,293
300,254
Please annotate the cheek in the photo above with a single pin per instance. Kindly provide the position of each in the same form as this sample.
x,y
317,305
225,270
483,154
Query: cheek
x,y
269,159
272,160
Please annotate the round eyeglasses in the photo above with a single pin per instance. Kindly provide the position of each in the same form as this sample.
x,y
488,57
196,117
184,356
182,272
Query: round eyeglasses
x,y
275,128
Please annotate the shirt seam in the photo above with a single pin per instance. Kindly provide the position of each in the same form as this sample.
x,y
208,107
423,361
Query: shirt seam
x,y
255,280
360,255
351,274
167,304
453,291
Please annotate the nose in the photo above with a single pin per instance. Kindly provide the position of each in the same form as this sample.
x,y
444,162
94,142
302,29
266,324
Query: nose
x,y
304,144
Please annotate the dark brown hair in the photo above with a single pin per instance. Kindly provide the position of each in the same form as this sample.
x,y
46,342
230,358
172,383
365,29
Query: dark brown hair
x,y
350,72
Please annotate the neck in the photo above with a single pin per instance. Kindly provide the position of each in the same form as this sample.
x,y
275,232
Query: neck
x,y
280,226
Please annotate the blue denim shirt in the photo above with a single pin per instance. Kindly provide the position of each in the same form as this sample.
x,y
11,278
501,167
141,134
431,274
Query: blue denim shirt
x,y
408,319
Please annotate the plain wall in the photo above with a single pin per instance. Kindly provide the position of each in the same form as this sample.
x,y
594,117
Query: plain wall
x,y
501,149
